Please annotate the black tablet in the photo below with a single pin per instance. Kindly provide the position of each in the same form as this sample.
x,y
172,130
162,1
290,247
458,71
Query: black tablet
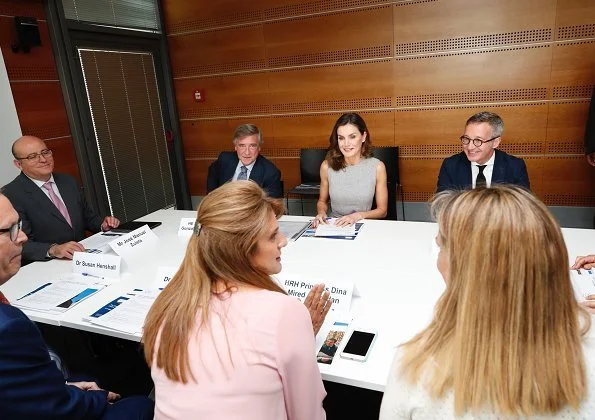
x,y
130,226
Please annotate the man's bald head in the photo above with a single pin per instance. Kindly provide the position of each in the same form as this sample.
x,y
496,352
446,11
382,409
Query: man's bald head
x,y
22,144
32,156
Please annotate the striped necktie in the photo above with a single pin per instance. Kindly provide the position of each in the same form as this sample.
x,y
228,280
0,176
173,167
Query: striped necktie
x,y
243,173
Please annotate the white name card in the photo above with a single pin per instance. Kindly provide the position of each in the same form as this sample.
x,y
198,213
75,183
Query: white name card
x,y
134,242
96,265
186,226
340,293
164,276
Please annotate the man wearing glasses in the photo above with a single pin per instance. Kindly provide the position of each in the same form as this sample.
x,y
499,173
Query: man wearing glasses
x,y
31,385
245,163
480,163
52,206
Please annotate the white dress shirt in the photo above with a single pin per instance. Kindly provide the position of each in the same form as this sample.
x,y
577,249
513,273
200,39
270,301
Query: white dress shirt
x,y
487,171
46,192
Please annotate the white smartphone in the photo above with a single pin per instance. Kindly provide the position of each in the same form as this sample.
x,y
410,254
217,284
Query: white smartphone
x,y
359,345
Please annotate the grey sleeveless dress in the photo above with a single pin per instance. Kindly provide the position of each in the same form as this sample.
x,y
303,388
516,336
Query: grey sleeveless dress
x,y
352,188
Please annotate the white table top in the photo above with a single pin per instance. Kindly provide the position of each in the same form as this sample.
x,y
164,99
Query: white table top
x,y
393,265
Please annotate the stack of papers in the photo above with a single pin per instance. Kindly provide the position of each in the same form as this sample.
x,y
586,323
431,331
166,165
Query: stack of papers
x,y
333,232
59,296
331,229
126,313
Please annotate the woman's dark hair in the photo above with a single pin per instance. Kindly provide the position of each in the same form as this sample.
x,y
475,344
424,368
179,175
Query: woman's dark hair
x,y
334,157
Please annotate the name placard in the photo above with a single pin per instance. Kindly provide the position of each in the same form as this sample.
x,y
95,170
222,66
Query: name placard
x,y
163,277
340,293
96,265
134,242
186,226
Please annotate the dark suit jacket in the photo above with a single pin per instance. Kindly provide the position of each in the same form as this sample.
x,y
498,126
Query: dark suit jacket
x,y
590,131
31,386
264,173
42,222
455,173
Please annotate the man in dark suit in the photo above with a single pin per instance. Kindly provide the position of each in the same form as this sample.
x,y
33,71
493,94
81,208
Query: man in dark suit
x,y
245,163
480,164
31,386
53,208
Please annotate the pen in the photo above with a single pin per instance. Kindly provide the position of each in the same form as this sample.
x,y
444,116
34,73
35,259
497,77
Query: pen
x,y
91,275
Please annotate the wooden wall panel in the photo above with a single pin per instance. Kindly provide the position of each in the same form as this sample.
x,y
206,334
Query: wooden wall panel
x,y
573,64
35,86
303,131
574,19
245,94
226,50
478,71
416,70
366,80
455,19
341,32
566,126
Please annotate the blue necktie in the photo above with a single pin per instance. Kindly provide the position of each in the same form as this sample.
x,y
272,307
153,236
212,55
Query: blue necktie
x,y
243,173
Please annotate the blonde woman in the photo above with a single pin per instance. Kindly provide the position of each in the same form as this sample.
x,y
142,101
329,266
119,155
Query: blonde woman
x,y
223,340
508,338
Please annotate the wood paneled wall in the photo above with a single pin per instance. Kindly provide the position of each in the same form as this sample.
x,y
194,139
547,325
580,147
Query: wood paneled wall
x,y
35,86
416,70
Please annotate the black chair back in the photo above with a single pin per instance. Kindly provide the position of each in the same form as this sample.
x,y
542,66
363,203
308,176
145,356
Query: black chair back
x,y
310,161
390,157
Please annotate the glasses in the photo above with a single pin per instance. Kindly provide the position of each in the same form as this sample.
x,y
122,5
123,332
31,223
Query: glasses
x,y
46,153
251,146
476,142
14,230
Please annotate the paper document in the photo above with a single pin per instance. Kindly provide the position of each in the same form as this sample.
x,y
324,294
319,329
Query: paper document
x,y
583,282
331,230
129,316
111,305
58,296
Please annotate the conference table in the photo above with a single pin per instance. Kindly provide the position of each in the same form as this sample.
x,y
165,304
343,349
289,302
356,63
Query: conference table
x,y
391,263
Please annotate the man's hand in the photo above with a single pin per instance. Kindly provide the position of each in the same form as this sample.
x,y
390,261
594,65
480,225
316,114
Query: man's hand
x,y
318,304
65,250
92,386
591,158
586,262
109,222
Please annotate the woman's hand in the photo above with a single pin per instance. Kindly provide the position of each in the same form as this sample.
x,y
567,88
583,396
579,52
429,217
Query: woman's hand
x,y
589,304
319,219
348,220
586,262
318,304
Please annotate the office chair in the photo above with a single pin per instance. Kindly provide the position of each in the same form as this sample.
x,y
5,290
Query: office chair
x,y
310,161
390,157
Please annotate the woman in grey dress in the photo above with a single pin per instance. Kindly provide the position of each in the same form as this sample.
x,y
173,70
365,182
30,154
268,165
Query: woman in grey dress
x,y
350,176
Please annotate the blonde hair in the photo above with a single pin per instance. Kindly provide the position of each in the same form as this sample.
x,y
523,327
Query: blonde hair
x,y
232,218
506,333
